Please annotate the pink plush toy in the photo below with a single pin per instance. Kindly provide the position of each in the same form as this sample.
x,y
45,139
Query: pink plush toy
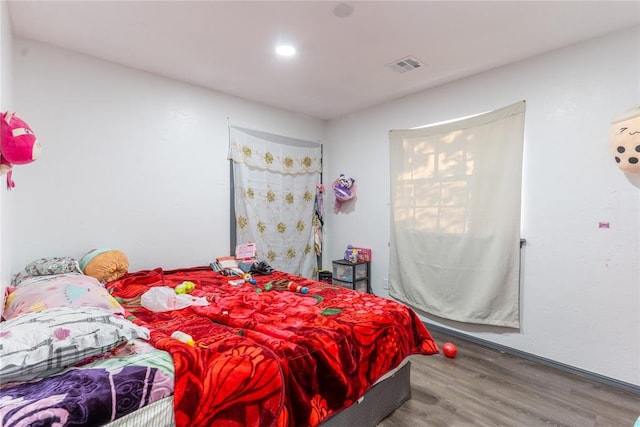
x,y
18,144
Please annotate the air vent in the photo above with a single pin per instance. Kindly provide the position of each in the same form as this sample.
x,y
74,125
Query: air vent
x,y
405,64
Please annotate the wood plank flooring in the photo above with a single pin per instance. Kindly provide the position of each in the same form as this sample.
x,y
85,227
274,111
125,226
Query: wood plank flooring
x,y
487,387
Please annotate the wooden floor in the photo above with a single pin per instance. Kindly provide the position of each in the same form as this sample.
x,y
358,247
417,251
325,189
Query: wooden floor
x,y
487,387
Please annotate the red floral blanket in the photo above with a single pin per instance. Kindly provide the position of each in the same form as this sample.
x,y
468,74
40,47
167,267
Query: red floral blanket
x,y
268,357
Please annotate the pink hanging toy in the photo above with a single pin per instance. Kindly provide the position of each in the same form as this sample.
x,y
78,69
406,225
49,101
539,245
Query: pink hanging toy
x,y
18,144
344,189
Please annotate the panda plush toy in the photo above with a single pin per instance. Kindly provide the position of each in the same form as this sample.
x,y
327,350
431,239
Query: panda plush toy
x,y
344,189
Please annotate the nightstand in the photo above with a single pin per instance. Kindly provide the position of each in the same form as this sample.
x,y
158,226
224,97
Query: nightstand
x,y
352,275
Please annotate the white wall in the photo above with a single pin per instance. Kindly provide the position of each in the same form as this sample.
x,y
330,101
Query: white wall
x,y
581,288
129,160
6,103
138,162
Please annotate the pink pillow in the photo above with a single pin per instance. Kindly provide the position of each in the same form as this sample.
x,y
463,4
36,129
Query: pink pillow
x,y
61,290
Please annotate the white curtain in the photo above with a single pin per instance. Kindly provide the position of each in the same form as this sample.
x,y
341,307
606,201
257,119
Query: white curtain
x,y
275,188
455,217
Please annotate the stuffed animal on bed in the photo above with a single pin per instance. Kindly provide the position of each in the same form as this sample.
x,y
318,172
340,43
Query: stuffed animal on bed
x,y
106,265
18,144
624,141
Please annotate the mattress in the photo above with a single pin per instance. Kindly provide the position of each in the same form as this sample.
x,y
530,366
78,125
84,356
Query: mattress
x,y
261,354
385,396
265,355
157,414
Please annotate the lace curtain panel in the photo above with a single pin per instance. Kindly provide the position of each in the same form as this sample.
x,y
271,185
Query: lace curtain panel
x,y
455,217
275,188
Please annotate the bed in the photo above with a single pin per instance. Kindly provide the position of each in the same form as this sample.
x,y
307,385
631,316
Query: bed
x,y
262,355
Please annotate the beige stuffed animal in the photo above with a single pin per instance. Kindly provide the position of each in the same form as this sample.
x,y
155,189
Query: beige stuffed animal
x,y
624,141
105,264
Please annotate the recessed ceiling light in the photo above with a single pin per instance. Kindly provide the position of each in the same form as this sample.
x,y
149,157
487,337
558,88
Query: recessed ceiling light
x,y
343,10
285,50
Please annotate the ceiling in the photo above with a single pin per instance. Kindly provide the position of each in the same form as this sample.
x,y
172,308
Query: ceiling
x,y
343,48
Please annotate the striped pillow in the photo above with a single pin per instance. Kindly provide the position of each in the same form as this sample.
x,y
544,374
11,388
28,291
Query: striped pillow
x,y
43,343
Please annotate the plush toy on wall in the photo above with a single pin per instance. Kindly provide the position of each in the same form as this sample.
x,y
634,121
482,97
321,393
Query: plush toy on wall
x,y
624,141
344,188
18,144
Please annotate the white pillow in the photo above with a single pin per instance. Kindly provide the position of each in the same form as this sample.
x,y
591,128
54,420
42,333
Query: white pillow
x,y
43,343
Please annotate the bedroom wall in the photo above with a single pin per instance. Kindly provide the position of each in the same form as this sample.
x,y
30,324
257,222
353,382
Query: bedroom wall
x,y
138,162
129,160
580,291
6,103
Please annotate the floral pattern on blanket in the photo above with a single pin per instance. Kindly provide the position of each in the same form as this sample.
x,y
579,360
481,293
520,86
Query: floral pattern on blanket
x,y
267,357
82,396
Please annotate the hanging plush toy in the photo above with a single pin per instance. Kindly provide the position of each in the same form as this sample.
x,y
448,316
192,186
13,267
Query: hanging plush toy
x,y
18,144
624,141
318,219
344,189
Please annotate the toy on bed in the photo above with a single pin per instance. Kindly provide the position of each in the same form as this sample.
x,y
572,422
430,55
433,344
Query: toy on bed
x,y
18,144
104,264
285,285
185,287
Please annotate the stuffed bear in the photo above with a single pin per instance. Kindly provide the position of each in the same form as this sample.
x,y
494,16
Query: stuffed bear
x,y
344,188
18,144
624,141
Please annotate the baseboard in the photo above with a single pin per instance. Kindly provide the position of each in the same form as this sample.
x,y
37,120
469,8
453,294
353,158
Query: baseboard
x,y
532,357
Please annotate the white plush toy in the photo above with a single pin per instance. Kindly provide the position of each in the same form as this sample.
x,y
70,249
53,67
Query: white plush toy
x,y
624,141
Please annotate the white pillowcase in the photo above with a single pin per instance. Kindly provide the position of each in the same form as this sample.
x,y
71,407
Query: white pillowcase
x,y
43,343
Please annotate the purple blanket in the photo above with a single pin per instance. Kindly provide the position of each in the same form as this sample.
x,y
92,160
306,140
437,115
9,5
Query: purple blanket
x,y
87,397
